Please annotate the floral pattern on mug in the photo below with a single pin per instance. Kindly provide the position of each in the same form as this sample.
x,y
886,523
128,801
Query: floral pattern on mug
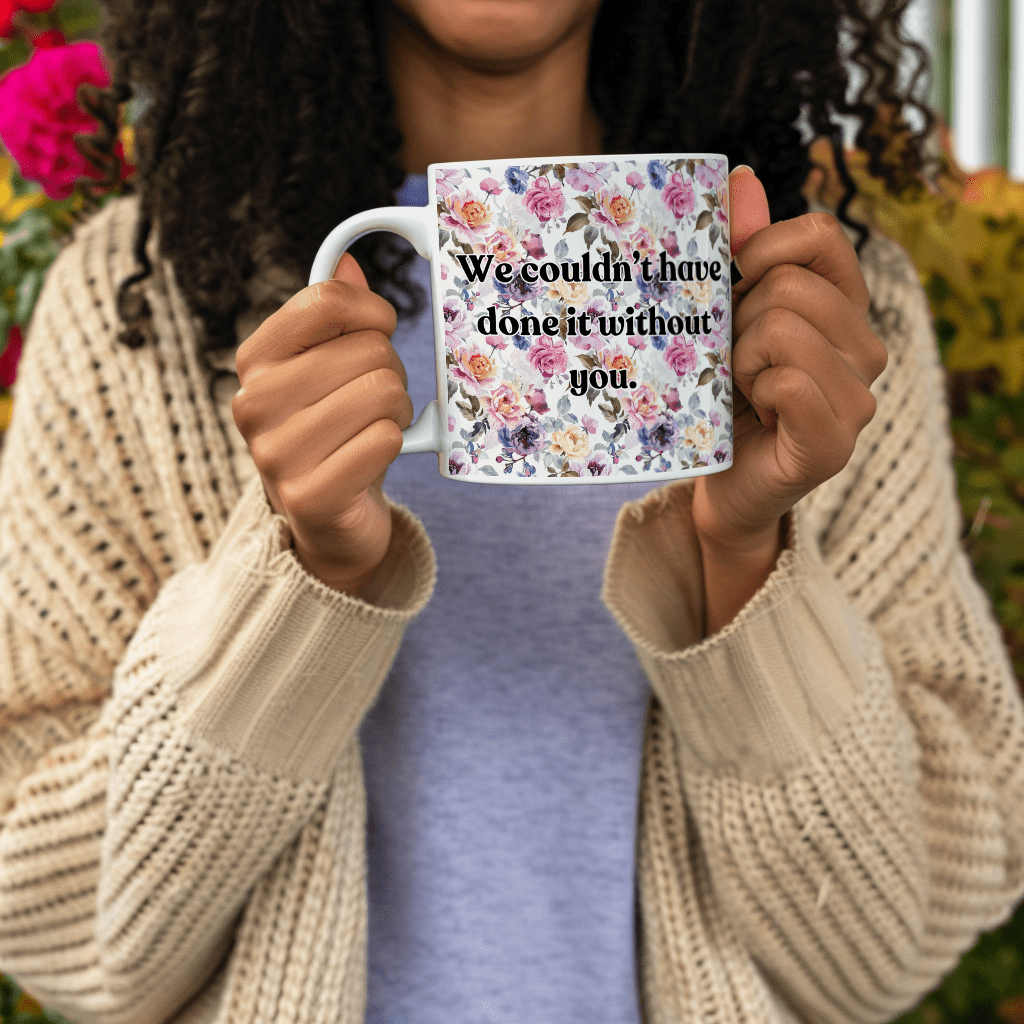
x,y
601,347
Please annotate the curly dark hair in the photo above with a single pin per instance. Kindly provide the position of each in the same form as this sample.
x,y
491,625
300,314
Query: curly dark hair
x,y
271,118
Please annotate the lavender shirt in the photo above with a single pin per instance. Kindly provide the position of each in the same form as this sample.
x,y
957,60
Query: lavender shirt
x,y
502,756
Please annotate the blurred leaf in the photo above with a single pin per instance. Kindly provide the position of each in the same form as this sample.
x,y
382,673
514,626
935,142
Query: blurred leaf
x,y
78,18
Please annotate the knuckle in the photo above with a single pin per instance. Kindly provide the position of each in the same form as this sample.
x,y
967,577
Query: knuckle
x,y
295,496
870,408
242,412
880,358
823,224
265,454
384,386
777,320
783,282
794,384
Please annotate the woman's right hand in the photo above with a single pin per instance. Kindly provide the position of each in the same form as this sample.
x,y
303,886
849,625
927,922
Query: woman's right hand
x,y
322,405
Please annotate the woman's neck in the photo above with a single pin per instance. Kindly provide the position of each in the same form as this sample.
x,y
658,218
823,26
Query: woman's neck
x,y
451,109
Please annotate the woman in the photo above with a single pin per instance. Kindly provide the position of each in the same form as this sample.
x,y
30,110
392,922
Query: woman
x,y
800,808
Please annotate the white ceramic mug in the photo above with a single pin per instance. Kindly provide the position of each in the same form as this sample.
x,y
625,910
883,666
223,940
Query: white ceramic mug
x,y
582,316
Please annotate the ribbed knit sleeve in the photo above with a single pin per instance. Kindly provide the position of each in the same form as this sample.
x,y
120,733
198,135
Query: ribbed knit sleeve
x,y
839,785
177,695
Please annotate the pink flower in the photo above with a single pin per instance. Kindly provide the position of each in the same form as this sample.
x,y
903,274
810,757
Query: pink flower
x,y
490,186
681,356
587,176
589,424
448,180
544,199
534,245
538,401
707,176
671,399
642,406
678,195
39,114
466,214
549,356
634,179
613,211
455,323
503,404
670,243
474,367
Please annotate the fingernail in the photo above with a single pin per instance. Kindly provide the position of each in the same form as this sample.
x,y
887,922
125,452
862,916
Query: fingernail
x,y
745,167
735,274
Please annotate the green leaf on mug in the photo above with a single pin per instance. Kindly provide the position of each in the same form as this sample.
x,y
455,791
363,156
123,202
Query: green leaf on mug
x,y
589,235
576,221
465,410
704,220
560,172
713,234
706,376
614,248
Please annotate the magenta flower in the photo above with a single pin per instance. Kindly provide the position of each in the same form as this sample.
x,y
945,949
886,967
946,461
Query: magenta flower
x,y
548,356
544,199
681,356
490,186
678,195
635,180
39,114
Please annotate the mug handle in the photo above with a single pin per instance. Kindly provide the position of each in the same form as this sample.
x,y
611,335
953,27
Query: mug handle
x,y
414,224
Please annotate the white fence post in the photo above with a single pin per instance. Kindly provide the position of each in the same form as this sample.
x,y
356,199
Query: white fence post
x,y
975,82
1016,147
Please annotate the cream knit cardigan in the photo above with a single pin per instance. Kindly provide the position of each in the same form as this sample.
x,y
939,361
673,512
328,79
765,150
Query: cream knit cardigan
x,y
832,785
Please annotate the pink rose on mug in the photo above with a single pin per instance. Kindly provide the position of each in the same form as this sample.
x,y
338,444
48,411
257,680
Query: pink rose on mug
x,y
544,199
678,195
548,356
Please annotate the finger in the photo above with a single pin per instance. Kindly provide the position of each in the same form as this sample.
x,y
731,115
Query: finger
x,y
824,307
347,472
348,270
297,445
312,316
779,337
270,398
815,241
813,443
748,207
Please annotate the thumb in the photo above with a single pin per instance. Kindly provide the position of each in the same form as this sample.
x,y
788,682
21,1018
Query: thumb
x,y
348,270
748,207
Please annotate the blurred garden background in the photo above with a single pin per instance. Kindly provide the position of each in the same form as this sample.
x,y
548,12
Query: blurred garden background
x,y
965,234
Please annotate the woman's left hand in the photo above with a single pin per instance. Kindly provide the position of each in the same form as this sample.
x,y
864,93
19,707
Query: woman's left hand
x,y
803,358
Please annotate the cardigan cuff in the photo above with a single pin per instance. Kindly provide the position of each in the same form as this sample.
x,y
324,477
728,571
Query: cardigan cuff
x,y
756,698
271,664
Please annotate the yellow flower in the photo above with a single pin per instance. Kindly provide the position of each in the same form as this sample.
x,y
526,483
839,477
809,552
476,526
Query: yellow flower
x,y
11,206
